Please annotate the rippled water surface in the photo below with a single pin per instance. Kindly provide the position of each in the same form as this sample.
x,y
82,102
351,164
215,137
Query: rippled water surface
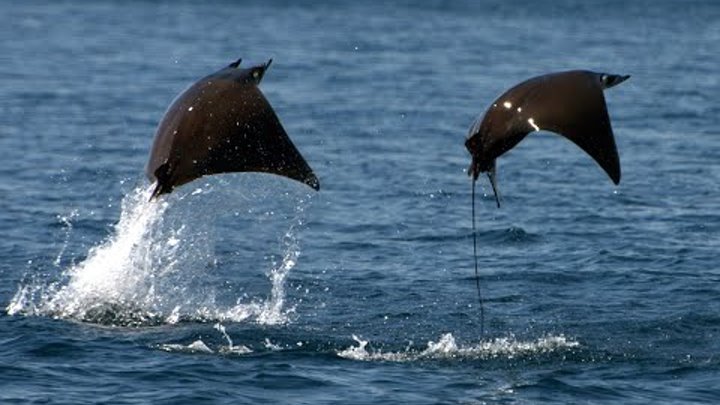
x,y
250,288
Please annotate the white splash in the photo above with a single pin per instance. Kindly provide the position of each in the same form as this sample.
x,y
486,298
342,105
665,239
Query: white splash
x,y
447,348
269,312
67,222
231,349
272,312
153,269
197,346
117,271
271,346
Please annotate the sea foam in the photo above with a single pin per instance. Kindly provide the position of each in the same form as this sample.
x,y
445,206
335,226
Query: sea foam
x,y
447,348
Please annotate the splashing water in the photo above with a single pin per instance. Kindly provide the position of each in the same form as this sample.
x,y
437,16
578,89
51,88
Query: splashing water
x,y
447,348
152,270
273,313
67,223
197,346
111,275
231,348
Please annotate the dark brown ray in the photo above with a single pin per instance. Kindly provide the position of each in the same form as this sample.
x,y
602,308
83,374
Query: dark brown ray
x,y
571,104
221,124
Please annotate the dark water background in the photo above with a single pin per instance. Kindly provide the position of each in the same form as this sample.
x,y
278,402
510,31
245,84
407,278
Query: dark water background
x,y
253,289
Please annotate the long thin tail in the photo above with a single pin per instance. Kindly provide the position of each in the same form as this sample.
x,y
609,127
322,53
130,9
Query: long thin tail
x,y
477,275
492,176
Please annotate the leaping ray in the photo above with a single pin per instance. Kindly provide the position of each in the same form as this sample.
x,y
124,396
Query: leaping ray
x,y
223,123
569,103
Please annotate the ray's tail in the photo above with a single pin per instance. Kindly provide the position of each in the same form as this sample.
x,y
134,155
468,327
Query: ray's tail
x,y
475,261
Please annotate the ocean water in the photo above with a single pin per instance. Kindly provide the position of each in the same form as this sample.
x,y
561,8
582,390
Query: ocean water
x,y
253,289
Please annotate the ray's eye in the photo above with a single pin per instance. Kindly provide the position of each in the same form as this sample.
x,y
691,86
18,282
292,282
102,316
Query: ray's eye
x,y
256,74
604,79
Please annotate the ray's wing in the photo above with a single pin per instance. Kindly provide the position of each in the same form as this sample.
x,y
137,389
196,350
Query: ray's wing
x,y
252,139
221,127
575,108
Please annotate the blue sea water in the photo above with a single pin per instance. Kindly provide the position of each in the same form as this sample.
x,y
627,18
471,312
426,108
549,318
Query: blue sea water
x,y
250,288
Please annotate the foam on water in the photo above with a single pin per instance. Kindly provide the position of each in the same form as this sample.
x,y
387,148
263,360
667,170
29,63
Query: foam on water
x,y
197,346
152,269
447,348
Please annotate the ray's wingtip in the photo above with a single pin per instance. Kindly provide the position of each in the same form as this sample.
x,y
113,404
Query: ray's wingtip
x,y
313,182
236,63
614,177
616,174
156,193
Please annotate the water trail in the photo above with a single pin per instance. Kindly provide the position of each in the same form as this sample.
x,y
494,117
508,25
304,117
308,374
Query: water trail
x,y
475,263
231,349
154,268
67,222
220,328
447,348
273,312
